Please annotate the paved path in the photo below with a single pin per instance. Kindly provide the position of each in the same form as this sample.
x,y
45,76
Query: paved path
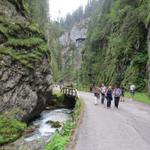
x,y
127,128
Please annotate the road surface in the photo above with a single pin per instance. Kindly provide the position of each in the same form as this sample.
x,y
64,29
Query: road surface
x,y
126,128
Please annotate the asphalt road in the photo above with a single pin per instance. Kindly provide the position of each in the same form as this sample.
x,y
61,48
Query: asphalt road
x,y
126,128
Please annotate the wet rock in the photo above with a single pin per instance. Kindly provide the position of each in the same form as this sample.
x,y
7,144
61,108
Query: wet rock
x,y
55,124
30,130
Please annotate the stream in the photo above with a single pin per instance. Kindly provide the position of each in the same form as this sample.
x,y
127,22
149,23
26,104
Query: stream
x,y
43,128
40,130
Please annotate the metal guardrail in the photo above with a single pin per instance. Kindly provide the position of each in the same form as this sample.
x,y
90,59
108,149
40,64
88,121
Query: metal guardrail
x,y
69,91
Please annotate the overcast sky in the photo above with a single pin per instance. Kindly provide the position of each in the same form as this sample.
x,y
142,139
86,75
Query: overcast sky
x,y
62,7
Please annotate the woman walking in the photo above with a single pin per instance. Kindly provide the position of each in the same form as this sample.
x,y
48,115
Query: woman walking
x,y
109,96
96,94
117,93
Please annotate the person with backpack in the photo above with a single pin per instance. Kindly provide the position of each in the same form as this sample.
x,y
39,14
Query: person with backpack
x,y
96,94
103,92
117,93
109,96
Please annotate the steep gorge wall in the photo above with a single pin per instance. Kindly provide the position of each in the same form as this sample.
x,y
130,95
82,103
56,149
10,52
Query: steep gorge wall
x,y
117,51
73,43
25,72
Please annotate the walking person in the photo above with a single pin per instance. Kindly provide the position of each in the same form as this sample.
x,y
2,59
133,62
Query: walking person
x,y
97,95
132,90
117,93
109,96
103,92
122,94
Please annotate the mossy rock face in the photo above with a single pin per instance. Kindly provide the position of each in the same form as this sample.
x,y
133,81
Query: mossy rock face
x,y
21,6
23,42
15,113
10,129
3,38
21,39
25,71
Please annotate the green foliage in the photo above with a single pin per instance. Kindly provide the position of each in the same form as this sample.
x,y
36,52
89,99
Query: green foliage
x,y
27,59
144,11
24,43
10,129
57,143
31,42
77,110
39,11
21,5
116,51
55,31
60,140
3,29
141,97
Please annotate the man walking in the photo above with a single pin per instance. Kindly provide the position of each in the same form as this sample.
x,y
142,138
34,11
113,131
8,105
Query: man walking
x,y
103,93
117,93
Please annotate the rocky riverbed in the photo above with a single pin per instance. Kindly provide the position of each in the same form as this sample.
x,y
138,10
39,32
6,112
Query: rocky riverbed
x,y
40,130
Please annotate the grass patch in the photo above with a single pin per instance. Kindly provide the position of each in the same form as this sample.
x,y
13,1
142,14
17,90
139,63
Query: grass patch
x,y
60,140
24,42
10,129
141,97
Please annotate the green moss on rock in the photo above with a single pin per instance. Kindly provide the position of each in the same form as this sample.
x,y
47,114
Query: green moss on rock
x,y
27,43
10,129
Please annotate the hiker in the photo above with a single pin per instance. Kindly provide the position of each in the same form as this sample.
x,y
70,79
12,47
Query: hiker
x,y
122,94
103,92
132,90
117,93
96,94
109,96
91,88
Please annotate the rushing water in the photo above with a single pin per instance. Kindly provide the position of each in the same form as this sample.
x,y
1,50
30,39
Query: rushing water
x,y
40,131
43,128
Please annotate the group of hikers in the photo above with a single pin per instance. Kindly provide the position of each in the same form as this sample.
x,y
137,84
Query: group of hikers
x,y
108,93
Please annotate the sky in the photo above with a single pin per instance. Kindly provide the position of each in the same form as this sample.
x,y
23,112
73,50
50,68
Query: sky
x,y
59,8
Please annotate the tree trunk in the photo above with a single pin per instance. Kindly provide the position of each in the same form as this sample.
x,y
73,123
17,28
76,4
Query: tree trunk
x,y
148,65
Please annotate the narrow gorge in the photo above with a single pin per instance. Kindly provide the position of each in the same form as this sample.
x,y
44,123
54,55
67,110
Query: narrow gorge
x,y
107,41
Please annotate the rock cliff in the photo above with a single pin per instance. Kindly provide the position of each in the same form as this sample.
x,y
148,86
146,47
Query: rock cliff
x,y
73,43
25,73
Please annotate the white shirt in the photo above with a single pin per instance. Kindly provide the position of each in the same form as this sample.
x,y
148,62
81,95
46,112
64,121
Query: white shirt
x,y
103,89
132,87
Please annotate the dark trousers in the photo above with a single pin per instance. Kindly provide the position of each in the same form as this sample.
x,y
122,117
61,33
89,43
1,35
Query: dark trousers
x,y
108,103
102,98
117,101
